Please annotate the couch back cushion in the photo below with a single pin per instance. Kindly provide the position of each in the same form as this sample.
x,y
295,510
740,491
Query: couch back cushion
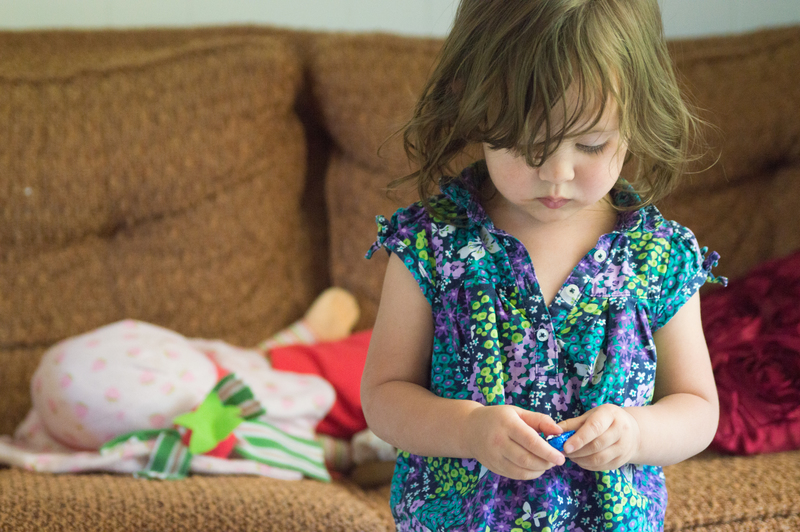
x,y
367,86
156,175
744,206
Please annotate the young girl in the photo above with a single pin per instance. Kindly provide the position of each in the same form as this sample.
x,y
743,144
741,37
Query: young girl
x,y
539,292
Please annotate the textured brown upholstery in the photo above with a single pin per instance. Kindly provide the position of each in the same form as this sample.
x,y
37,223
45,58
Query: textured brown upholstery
x,y
157,182
32,502
213,181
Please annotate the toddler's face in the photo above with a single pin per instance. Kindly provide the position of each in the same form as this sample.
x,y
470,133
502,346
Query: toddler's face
x,y
574,180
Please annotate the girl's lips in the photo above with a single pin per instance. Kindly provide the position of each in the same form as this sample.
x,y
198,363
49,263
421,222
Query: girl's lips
x,y
553,203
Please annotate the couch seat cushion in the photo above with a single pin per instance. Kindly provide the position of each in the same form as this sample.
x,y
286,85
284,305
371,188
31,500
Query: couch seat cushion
x,y
34,502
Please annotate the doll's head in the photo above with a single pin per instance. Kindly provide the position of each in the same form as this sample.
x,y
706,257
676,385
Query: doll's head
x,y
506,68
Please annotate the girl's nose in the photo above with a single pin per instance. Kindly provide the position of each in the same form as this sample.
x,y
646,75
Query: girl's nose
x,y
557,169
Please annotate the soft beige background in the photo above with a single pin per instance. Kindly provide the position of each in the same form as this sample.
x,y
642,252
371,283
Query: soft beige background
x,y
682,18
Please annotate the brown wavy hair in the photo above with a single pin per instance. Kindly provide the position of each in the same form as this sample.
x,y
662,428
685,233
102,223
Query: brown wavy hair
x,y
507,64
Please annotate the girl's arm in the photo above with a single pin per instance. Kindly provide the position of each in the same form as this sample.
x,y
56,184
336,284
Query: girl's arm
x,y
680,423
401,410
683,419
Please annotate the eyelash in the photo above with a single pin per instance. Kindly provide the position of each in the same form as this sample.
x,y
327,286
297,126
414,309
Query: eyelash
x,y
592,150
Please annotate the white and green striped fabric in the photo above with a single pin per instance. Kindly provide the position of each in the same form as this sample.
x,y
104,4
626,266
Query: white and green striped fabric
x,y
265,443
257,440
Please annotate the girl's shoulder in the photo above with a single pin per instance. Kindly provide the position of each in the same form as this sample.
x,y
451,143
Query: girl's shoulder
x,y
646,224
656,246
646,228
439,210
665,258
416,223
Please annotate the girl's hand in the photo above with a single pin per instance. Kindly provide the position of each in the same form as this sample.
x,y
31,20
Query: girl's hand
x,y
606,437
505,440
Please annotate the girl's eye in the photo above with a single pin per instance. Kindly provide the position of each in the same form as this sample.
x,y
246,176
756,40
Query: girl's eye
x,y
592,150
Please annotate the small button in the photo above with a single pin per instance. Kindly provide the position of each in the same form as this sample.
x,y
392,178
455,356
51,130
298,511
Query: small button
x,y
570,294
542,335
600,255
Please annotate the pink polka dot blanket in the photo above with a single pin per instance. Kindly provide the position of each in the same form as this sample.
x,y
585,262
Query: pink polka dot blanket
x,y
132,397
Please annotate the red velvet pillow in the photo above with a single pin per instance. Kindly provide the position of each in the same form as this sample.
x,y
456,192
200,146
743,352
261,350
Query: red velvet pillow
x,y
753,332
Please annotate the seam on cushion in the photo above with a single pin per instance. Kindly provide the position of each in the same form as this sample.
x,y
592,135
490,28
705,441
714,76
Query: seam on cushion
x,y
177,54
743,519
112,230
684,56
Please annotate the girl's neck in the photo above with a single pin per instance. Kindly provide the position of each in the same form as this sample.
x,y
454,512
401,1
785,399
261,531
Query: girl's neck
x,y
554,248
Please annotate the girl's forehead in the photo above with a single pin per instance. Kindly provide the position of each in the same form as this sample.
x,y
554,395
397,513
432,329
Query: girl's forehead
x,y
574,116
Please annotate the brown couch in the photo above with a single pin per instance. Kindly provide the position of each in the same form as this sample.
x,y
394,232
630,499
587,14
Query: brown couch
x,y
214,181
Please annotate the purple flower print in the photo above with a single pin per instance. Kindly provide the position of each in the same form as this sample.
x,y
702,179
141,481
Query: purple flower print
x,y
514,351
473,385
405,232
502,527
517,378
469,463
537,373
438,251
516,500
441,325
643,393
453,269
573,385
560,486
507,514
561,402
613,279
558,381
535,490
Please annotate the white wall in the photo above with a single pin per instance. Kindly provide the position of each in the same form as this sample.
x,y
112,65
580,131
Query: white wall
x,y
685,18
682,18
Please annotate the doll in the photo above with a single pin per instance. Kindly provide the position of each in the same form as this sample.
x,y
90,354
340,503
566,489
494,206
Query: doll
x,y
110,398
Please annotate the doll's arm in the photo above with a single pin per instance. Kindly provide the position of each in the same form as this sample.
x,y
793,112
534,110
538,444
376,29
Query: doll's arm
x,y
330,317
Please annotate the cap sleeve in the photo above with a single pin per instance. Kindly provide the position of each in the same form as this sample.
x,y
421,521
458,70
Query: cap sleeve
x,y
408,235
687,270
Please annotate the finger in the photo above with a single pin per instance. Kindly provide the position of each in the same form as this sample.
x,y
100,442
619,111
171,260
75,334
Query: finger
x,y
512,470
573,423
610,458
532,443
597,445
527,460
595,424
539,422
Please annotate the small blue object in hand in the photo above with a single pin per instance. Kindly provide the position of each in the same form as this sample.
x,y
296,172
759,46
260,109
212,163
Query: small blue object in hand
x,y
558,441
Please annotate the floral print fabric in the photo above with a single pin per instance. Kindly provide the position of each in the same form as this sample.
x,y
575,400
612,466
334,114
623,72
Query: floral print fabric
x,y
496,342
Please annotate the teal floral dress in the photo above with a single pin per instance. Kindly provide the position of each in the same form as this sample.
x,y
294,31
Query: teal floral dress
x,y
496,342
